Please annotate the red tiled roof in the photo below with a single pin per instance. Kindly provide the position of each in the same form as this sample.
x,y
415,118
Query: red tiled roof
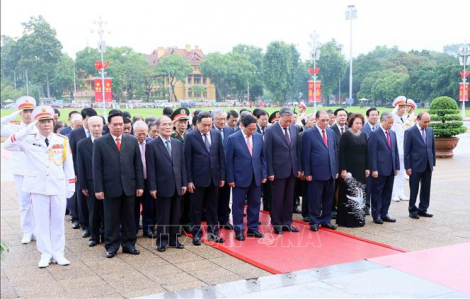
x,y
193,56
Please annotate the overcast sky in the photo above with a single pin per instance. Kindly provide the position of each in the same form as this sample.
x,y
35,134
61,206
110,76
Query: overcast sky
x,y
218,25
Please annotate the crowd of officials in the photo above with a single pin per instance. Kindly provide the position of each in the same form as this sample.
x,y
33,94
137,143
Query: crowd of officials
x,y
167,175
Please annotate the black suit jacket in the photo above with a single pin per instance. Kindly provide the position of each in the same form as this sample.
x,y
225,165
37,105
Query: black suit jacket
x,y
165,174
203,166
282,159
117,172
338,133
85,163
419,155
74,137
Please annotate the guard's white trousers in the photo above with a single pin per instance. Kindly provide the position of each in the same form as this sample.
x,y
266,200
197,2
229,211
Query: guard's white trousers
x,y
399,182
49,211
26,208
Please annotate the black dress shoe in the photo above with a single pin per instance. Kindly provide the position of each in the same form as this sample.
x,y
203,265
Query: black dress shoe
x,y
161,248
366,211
132,251
424,214
92,243
85,233
329,225
254,233
227,226
75,224
278,231
215,239
378,221
240,237
110,254
178,246
196,241
306,219
314,227
388,219
290,228
414,215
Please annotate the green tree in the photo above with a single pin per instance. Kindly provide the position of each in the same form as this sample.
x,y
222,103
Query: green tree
x,y
176,68
62,78
85,60
39,51
215,66
280,65
256,58
333,66
199,90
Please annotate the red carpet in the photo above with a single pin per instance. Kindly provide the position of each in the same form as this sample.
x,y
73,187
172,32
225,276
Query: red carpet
x,y
448,266
297,251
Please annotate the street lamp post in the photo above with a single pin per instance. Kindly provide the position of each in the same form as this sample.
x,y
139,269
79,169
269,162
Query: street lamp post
x,y
102,49
315,52
351,13
464,53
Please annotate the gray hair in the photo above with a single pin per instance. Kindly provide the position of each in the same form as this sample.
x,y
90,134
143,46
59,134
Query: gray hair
x,y
139,124
285,111
308,117
159,120
150,119
218,112
385,116
91,119
244,113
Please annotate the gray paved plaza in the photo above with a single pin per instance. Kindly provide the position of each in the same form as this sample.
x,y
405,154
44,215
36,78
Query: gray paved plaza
x,y
90,274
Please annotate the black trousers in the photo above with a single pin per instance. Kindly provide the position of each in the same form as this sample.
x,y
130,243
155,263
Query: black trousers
x,y
297,193
282,202
368,191
82,207
96,217
267,196
303,186
224,204
417,178
185,217
119,222
320,196
381,191
148,211
168,217
205,198
72,205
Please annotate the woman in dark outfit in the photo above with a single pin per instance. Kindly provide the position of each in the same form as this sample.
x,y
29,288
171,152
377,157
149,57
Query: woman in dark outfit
x,y
354,170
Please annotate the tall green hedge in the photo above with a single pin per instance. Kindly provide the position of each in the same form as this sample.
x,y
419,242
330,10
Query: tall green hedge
x,y
445,118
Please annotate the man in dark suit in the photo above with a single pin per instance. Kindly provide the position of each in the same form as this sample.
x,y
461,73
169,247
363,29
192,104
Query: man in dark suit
x,y
167,183
310,122
283,167
262,121
371,124
420,159
384,165
246,172
80,207
340,127
66,131
220,118
85,176
140,131
118,178
320,166
205,165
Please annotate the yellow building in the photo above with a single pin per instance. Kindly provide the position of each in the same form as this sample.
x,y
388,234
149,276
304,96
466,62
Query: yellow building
x,y
185,91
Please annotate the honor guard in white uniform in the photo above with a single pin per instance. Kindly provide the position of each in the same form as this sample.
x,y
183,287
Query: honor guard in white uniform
x,y
400,124
25,106
50,179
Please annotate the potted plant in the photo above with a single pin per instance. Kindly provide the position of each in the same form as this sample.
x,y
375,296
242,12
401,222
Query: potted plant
x,y
447,123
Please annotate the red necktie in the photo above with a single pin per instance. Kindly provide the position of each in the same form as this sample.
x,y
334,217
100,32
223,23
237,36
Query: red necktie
x,y
324,138
118,144
389,141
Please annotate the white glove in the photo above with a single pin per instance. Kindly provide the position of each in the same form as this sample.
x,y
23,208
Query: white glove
x,y
9,118
70,194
